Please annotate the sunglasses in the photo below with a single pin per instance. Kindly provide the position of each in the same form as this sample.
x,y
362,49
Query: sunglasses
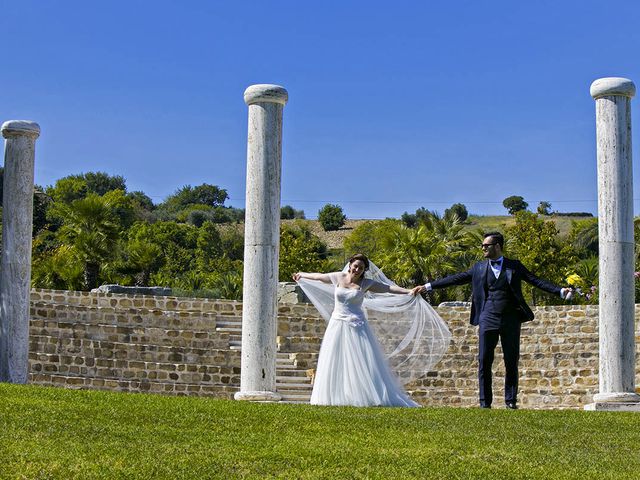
x,y
487,245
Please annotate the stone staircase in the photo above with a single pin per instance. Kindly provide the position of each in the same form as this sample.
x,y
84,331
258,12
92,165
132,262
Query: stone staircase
x,y
137,344
293,382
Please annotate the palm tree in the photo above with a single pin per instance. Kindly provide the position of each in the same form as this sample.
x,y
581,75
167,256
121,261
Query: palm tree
x,y
91,229
143,258
585,236
439,246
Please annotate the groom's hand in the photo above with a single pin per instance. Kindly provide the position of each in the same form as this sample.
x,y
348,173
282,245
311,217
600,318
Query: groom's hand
x,y
567,293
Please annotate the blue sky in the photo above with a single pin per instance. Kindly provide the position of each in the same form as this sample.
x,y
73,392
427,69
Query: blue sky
x,y
392,105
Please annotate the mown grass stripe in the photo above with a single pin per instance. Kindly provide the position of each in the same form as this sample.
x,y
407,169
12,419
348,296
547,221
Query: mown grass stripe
x,y
57,433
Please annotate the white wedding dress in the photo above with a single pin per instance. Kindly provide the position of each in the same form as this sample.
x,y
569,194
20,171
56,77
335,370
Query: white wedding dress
x,y
352,368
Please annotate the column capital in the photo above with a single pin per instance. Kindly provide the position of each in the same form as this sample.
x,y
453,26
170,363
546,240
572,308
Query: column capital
x,y
609,86
265,93
16,128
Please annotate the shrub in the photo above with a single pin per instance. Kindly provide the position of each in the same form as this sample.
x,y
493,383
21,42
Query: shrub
x,y
409,219
544,208
287,212
331,217
514,204
458,209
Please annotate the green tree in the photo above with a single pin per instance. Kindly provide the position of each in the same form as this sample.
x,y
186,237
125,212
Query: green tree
x,y
122,206
142,259
204,194
371,237
141,200
584,237
287,212
41,203
436,247
226,280
439,246
101,182
458,209
227,215
209,247
178,243
535,243
75,187
584,277
300,250
232,242
544,208
68,189
514,204
331,217
409,219
55,266
198,217
91,228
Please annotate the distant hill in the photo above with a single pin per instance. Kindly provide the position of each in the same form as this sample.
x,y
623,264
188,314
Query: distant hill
x,y
335,239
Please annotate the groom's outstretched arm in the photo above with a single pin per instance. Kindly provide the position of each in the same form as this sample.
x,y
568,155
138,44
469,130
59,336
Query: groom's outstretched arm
x,y
455,279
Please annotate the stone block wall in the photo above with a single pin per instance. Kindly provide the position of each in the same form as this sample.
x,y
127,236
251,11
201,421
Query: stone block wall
x,y
558,361
173,345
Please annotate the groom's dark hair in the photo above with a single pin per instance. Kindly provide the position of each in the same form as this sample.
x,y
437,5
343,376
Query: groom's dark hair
x,y
499,239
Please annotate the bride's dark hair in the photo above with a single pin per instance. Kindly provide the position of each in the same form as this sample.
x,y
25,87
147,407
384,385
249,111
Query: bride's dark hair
x,y
362,258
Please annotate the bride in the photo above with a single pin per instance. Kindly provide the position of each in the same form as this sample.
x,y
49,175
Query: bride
x,y
356,368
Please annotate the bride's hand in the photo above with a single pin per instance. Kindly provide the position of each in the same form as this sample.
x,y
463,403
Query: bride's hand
x,y
297,276
416,290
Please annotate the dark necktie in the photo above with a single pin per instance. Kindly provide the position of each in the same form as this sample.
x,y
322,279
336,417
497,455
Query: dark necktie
x,y
496,263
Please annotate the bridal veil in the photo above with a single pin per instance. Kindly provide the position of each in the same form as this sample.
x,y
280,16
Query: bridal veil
x,y
413,336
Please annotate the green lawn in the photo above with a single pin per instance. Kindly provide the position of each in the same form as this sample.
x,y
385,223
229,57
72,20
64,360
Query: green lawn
x,y
56,433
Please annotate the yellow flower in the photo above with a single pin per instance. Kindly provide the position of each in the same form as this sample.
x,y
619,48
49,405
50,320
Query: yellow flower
x,y
575,280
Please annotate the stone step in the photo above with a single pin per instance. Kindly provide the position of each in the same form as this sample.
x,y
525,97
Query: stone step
x,y
294,387
294,397
301,378
230,330
230,322
131,351
298,343
304,360
287,326
291,373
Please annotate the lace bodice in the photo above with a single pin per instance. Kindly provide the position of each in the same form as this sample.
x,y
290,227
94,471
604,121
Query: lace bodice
x,y
348,305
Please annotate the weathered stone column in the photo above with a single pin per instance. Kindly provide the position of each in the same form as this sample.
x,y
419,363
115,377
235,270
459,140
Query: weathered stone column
x,y
261,243
615,226
17,226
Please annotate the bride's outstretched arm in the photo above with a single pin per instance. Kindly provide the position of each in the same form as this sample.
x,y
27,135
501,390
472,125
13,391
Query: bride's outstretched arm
x,y
378,287
322,277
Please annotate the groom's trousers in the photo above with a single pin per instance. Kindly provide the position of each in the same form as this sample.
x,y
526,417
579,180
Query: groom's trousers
x,y
509,335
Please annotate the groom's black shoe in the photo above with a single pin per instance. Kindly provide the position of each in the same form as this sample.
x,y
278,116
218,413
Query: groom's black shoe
x,y
485,406
512,405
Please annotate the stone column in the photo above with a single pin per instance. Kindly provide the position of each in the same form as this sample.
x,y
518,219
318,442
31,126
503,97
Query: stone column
x,y
261,243
17,226
615,226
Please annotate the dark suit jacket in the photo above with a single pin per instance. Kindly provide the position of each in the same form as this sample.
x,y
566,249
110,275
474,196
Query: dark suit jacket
x,y
477,276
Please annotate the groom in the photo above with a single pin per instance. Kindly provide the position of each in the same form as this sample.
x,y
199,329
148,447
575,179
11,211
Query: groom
x,y
498,308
